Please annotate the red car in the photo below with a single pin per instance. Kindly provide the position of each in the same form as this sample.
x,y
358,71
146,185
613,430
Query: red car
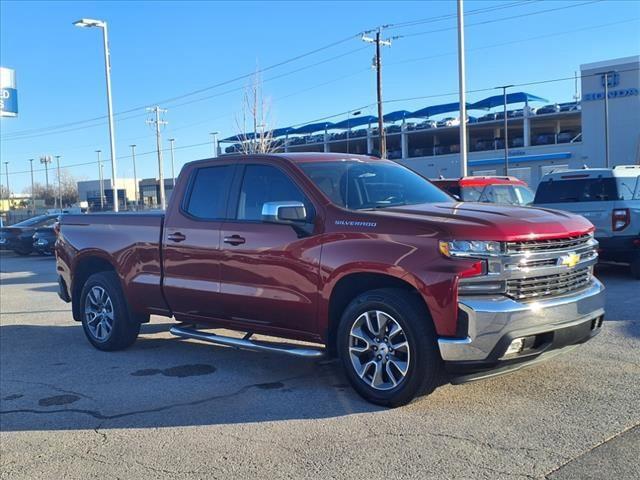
x,y
502,190
359,255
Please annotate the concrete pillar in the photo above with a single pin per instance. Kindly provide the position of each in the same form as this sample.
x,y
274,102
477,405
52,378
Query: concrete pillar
x,y
496,134
326,141
526,125
369,140
436,142
404,141
557,131
286,143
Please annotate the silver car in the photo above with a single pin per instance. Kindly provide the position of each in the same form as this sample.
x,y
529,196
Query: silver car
x,y
609,198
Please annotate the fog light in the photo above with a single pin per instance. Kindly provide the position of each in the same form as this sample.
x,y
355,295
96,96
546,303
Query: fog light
x,y
515,346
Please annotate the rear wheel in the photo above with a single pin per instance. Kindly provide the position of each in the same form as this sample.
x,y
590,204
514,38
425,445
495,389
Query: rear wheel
x,y
23,251
106,319
388,348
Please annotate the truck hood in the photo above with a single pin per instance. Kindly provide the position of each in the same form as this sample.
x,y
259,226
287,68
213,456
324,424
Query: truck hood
x,y
485,221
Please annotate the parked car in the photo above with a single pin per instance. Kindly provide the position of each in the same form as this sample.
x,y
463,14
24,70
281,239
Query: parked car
x,y
19,237
484,144
361,255
448,122
544,139
609,198
44,240
487,117
553,108
426,124
484,189
393,129
566,136
569,107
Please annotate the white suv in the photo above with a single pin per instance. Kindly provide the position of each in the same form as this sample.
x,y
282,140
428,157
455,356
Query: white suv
x,y
609,198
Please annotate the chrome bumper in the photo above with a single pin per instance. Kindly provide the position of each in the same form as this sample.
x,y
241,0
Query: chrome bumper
x,y
493,321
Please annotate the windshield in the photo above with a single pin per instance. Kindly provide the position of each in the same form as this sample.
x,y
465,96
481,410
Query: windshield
x,y
362,185
31,222
577,190
501,194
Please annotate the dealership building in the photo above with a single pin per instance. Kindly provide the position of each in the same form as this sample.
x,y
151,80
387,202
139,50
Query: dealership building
x,y
542,136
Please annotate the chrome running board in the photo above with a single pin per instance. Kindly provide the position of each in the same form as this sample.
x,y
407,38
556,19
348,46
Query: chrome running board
x,y
246,344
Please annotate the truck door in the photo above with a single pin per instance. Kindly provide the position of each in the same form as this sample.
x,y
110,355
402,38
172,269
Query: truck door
x,y
191,243
269,272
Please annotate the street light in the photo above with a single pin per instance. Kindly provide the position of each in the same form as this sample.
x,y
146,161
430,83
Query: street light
x,y
173,173
506,132
87,23
135,175
33,196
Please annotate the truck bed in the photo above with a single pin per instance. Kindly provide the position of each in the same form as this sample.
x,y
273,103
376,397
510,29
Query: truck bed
x,y
130,242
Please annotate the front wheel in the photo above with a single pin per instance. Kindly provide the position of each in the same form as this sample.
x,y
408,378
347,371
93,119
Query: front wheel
x,y
106,320
388,347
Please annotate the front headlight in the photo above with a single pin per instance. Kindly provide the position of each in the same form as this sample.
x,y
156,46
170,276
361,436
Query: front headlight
x,y
470,248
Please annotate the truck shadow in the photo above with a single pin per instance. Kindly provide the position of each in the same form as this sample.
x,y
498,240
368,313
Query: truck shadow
x,y
52,379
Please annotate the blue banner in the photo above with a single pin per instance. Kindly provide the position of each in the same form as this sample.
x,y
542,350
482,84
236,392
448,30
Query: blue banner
x,y
8,102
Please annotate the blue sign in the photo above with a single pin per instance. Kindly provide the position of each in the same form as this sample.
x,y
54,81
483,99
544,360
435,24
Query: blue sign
x,y
8,102
623,92
612,79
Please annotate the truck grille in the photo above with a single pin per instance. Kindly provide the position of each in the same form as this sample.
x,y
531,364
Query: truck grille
x,y
548,285
545,245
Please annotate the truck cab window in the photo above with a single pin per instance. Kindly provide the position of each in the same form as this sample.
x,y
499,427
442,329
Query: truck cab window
x,y
262,184
209,191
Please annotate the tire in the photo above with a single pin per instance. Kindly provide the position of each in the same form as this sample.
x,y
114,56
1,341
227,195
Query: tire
x,y
23,252
384,382
113,326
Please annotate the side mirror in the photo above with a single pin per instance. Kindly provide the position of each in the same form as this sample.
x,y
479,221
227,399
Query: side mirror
x,y
284,212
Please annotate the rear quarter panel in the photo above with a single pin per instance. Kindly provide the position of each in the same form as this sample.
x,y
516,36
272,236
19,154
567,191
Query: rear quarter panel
x,y
129,242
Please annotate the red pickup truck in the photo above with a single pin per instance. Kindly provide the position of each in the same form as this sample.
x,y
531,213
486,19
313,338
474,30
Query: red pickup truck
x,y
360,255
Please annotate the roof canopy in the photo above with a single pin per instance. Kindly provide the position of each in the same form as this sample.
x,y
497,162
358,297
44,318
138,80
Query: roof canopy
x,y
313,127
355,121
497,100
437,109
397,115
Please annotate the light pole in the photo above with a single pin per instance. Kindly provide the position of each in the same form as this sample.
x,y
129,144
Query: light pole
x,y
506,131
33,197
462,88
135,176
214,143
46,160
6,173
606,119
100,180
173,173
59,183
86,23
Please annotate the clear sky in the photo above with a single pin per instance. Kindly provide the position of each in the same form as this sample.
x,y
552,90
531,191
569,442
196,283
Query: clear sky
x,y
165,49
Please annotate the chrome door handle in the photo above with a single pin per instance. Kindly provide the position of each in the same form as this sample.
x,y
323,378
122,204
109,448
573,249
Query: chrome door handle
x,y
176,237
234,240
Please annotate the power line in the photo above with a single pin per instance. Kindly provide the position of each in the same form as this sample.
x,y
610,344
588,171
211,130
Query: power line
x,y
24,134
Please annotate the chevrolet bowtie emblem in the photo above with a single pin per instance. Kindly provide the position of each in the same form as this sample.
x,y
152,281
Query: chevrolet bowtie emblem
x,y
569,260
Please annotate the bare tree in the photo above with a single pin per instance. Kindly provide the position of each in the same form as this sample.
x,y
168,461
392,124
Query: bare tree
x,y
253,124
68,185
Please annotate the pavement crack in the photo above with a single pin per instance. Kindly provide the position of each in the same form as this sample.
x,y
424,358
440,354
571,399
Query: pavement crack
x,y
100,416
53,387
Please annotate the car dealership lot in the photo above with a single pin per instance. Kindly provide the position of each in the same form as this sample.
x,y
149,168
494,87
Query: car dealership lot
x,y
168,408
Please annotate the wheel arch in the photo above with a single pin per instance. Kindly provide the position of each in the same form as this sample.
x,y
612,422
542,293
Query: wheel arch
x,y
85,266
350,285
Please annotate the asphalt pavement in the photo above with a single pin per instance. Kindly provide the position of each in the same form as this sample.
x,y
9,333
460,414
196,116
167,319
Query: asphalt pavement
x,y
170,408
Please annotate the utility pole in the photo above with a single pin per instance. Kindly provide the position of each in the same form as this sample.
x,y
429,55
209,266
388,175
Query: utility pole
x,y
173,173
6,172
462,88
377,64
101,180
135,176
46,160
606,119
158,123
506,131
214,143
33,196
59,183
